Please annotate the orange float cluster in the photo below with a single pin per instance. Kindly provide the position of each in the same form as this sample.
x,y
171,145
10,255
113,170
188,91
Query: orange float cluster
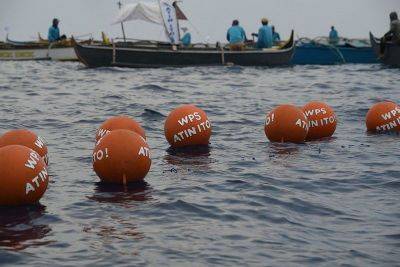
x,y
288,123
23,168
121,154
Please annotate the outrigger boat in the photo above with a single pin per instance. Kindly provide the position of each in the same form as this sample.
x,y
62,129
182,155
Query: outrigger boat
x,y
38,50
391,55
152,54
40,41
320,52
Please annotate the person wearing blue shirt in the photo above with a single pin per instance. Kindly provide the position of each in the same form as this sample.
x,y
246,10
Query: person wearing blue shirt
x,y
236,36
54,32
264,35
276,38
333,36
187,37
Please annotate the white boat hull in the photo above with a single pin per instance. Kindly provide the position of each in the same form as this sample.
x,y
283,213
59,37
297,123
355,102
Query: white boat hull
x,y
59,54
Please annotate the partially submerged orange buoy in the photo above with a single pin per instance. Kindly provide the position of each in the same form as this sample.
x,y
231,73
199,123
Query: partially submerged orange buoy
x,y
26,138
23,176
121,157
383,117
117,123
322,120
286,123
187,125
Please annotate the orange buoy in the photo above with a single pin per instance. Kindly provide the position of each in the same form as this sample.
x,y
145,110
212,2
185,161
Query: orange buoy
x,y
26,138
187,125
23,176
383,117
286,123
117,123
321,119
121,157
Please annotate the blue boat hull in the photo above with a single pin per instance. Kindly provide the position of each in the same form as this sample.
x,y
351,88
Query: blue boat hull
x,y
324,55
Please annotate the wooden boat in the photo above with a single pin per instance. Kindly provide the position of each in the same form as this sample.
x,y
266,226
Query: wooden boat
x,y
154,55
316,52
391,55
172,54
40,50
27,43
37,52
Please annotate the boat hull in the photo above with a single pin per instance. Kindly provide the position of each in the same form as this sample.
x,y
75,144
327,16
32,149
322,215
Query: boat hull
x,y
59,54
326,55
391,56
362,55
105,56
161,55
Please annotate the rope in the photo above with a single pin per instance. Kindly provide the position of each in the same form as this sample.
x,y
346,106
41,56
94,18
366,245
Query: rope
x,y
84,35
197,31
334,48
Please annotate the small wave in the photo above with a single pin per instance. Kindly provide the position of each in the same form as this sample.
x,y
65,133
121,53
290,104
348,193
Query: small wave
x,y
113,97
154,87
153,115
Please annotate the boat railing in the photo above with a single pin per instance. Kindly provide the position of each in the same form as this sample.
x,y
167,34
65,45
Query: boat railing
x,y
154,44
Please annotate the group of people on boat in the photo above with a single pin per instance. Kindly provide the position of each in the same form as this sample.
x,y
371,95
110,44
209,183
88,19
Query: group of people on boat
x,y
266,36
236,36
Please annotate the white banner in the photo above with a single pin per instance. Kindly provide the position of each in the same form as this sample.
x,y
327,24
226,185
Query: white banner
x,y
171,22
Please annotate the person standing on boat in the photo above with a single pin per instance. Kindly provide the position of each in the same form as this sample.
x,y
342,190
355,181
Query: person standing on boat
x,y
187,37
276,38
333,36
54,32
236,36
265,36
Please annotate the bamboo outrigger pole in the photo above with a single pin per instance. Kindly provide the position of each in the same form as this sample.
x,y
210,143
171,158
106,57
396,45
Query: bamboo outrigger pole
x,y
122,24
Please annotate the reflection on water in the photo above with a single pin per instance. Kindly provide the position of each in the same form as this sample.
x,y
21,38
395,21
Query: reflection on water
x,y
122,194
19,227
119,225
120,228
282,150
189,158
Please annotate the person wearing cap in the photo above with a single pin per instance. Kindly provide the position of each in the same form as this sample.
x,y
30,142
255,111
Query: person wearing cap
x,y
333,36
236,36
187,37
54,32
265,38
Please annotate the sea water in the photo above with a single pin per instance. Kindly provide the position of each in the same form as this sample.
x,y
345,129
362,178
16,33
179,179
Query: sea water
x,y
242,201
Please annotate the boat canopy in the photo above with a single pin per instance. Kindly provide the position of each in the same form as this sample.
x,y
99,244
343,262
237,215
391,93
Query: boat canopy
x,y
145,11
161,12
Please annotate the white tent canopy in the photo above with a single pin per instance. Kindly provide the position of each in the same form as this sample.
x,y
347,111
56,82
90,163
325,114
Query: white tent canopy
x,y
161,12
145,11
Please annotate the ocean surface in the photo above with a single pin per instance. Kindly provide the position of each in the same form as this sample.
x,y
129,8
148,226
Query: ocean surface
x,y
242,202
